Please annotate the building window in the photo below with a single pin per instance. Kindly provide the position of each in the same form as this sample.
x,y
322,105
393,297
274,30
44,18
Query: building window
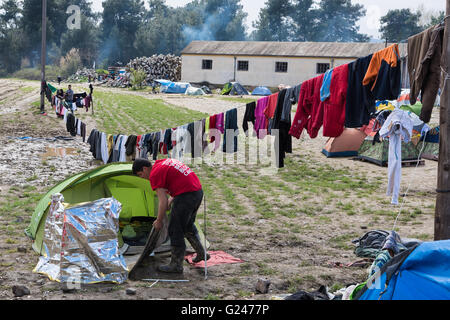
x,y
322,67
207,64
281,66
242,66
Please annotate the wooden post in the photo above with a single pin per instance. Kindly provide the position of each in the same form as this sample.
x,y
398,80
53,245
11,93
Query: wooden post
x,y
442,214
43,53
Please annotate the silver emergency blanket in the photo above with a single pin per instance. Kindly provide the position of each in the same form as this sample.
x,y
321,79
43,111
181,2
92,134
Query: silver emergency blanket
x,y
81,244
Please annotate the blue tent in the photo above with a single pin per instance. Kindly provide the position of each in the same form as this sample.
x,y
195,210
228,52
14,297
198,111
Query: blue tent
x,y
419,273
261,91
173,87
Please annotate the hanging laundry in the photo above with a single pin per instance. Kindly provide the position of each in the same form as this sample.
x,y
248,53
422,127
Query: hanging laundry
x,y
325,89
216,130
231,132
424,58
110,146
220,122
155,139
205,141
309,114
179,143
123,149
283,141
83,131
194,144
360,101
92,140
261,122
71,125
290,99
334,105
270,110
389,56
168,140
130,146
249,116
115,152
104,148
398,126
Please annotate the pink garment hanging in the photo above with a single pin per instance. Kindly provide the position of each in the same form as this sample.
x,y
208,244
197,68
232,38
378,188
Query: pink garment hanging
x,y
261,122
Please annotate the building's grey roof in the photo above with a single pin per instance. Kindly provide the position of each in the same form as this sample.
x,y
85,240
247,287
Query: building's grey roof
x,y
287,49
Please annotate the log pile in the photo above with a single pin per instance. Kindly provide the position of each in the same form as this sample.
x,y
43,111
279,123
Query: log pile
x,y
82,75
160,66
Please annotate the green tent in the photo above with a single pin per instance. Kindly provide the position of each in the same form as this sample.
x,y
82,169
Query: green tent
x,y
430,150
378,153
416,108
226,88
139,201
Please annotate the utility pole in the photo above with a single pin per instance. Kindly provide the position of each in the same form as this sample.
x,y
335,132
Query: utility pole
x,y
442,214
43,53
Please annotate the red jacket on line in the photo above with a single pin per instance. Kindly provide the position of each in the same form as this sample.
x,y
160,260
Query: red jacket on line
x,y
334,110
309,109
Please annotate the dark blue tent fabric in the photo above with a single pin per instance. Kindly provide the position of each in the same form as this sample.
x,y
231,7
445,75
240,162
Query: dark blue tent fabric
x,y
422,274
173,87
261,91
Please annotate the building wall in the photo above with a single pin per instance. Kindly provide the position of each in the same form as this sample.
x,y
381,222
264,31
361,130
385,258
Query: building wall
x,y
261,70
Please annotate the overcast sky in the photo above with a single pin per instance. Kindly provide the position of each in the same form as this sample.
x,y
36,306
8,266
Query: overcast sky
x,y
368,25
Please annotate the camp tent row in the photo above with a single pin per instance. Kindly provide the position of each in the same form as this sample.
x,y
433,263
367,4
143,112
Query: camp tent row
x,y
230,88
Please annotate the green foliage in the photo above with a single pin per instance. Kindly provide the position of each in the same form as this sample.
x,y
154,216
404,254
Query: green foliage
x,y
51,73
70,63
399,24
305,20
137,78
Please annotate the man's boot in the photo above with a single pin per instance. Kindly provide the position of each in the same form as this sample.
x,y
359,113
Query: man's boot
x,y
176,261
194,240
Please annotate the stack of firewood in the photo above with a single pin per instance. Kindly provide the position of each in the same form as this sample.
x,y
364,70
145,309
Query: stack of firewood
x,y
160,66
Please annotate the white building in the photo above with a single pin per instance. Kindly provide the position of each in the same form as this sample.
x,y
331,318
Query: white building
x,y
260,63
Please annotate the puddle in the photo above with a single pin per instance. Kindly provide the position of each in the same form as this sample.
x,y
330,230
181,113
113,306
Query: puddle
x,y
58,152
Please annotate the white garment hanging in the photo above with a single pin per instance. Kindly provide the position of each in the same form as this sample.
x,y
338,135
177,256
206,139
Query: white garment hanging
x,y
122,149
398,126
104,148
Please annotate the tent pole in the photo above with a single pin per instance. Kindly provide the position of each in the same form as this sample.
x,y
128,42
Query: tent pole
x,y
204,234
43,53
442,213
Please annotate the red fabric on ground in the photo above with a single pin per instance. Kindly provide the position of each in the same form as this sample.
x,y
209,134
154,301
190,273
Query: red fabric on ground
x,y
217,257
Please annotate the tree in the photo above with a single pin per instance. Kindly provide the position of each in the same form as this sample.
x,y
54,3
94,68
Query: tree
x,y
221,20
336,21
12,38
56,22
303,20
162,31
86,40
272,22
120,22
399,24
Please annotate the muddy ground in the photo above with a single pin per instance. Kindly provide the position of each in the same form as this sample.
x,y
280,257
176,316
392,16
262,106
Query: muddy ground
x,y
30,164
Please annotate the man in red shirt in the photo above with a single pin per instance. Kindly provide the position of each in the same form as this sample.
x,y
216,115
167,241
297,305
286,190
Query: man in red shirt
x,y
170,177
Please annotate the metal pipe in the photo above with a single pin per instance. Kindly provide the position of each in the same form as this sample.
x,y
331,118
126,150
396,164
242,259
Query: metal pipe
x,y
43,52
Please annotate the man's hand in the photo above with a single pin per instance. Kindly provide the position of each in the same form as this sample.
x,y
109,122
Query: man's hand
x,y
157,224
